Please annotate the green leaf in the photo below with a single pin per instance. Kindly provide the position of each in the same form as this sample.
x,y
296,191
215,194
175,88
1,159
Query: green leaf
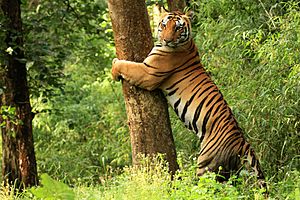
x,y
52,190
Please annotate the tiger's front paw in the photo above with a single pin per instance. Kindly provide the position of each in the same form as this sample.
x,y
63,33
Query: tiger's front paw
x,y
115,70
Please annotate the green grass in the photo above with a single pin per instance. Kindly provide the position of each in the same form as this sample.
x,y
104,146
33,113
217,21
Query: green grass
x,y
151,181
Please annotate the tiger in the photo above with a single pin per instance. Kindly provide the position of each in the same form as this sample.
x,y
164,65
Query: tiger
x,y
174,66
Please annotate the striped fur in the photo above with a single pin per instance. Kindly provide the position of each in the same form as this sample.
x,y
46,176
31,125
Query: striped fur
x,y
174,67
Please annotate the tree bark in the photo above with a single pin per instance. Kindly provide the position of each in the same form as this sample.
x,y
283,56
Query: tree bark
x,y
18,157
176,5
147,112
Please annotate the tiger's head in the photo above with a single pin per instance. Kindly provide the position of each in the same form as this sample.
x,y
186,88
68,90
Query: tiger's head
x,y
174,29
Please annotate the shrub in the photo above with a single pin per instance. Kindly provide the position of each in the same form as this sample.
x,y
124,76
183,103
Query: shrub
x,y
85,135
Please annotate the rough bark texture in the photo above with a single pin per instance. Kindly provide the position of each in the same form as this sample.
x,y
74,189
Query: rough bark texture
x,y
18,157
148,117
176,5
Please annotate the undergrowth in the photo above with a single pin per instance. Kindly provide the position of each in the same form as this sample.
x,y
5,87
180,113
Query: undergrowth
x,y
152,181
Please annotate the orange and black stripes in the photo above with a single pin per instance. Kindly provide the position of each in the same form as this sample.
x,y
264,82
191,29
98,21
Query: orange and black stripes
x,y
174,67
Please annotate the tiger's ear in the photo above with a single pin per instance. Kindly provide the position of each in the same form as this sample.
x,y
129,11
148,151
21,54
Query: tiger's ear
x,y
165,10
189,13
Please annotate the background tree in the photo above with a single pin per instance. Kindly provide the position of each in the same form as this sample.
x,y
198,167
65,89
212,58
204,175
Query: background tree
x,y
18,160
147,112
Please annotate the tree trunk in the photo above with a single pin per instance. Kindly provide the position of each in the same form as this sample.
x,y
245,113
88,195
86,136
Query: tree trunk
x,y
18,157
176,5
148,117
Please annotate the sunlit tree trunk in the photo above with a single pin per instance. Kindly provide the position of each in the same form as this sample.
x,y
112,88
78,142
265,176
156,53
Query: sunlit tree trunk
x,y
176,5
147,112
18,157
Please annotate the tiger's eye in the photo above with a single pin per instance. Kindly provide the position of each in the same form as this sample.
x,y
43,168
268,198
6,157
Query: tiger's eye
x,y
178,28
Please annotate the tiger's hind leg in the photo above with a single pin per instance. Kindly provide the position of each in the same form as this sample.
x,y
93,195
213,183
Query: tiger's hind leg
x,y
231,162
253,163
215,163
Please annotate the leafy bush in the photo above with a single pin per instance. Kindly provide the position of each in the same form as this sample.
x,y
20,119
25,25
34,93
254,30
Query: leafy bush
x,y
83,123
151,180
52,190
86,132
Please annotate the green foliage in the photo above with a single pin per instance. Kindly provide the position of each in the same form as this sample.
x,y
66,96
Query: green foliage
x,y
56,30
152,181
87,133
251,49
8,113
206,187
52,190
2,41
69,47
187,143
151,177
288,187
10,193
